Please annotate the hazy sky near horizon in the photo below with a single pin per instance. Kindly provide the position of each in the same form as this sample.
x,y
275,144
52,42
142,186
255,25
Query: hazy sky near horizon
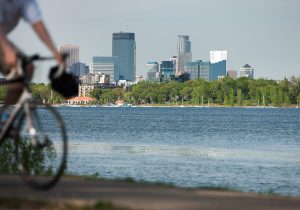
x,y
262,33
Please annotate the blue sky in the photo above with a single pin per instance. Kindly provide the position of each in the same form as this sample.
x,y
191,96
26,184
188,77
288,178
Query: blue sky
x,y
263,33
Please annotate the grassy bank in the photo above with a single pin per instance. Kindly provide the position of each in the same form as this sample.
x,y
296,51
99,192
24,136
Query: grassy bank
x,y
225,188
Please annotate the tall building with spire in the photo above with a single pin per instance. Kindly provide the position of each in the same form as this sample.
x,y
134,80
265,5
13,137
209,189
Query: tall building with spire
x,y
184,53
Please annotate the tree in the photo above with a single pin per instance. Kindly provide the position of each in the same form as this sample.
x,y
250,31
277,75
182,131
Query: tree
x,y
199,92
273,95
239,97
243,84
294,89
263,93
186,93
96,93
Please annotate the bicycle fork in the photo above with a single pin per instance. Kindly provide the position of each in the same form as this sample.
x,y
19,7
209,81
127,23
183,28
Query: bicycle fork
x,y
36,141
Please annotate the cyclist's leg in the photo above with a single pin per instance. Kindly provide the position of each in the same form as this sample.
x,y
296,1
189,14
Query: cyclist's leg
x,y
13,93
14,90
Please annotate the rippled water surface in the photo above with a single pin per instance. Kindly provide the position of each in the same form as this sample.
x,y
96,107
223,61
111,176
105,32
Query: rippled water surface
x,y
244,149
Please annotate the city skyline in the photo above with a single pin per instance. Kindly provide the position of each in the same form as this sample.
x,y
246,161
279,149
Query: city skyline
x,y
262,33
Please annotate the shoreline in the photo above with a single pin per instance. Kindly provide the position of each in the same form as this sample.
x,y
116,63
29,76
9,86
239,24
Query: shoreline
x,y
117,195
129,180
178,106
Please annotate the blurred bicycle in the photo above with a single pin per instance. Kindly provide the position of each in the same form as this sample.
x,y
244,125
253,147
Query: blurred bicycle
x,y
37,130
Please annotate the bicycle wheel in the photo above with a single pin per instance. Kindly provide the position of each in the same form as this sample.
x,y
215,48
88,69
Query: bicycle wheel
x,y
41,147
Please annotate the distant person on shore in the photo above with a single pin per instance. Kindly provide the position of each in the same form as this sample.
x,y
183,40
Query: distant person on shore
x,y
11,12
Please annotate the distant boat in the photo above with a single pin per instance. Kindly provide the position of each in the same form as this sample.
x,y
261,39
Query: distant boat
x,y
126,105
121,103
109,105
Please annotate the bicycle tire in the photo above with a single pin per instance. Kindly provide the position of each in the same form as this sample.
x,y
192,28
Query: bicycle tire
x,y
35,147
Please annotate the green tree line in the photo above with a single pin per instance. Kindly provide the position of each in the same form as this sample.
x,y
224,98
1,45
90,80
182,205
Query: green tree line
x,y
229,92
41,92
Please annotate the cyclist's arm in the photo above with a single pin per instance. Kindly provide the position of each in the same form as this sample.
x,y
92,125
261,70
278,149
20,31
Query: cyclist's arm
x,y
9,53
41,30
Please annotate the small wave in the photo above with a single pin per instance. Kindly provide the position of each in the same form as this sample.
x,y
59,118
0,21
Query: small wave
x,y
286,155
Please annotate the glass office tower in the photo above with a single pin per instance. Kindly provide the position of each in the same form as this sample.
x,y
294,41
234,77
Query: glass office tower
x,y
152,71
124,47
205,70
167,70
106,65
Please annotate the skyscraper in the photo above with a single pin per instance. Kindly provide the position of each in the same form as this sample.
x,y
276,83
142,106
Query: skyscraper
x,y
193,69
78,69
72,52
184,53
205,70
174,59
217,56
124,47
218,70
167,70
152,71
106,65
218,60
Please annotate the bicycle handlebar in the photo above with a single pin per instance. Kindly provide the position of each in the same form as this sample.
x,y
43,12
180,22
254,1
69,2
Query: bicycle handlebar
x,y
37,57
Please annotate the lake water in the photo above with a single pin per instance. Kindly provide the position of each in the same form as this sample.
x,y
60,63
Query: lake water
x,y
245,149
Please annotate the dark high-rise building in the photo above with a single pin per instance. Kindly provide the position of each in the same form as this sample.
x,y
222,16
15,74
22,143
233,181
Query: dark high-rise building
x,y
124,47
167,70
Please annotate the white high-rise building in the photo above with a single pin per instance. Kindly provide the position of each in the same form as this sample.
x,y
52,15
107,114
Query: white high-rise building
x,y
174,60
72,52
217,56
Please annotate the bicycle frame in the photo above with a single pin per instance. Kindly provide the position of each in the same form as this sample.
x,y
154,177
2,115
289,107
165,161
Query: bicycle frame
x,y
25,97
23,102
29,131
